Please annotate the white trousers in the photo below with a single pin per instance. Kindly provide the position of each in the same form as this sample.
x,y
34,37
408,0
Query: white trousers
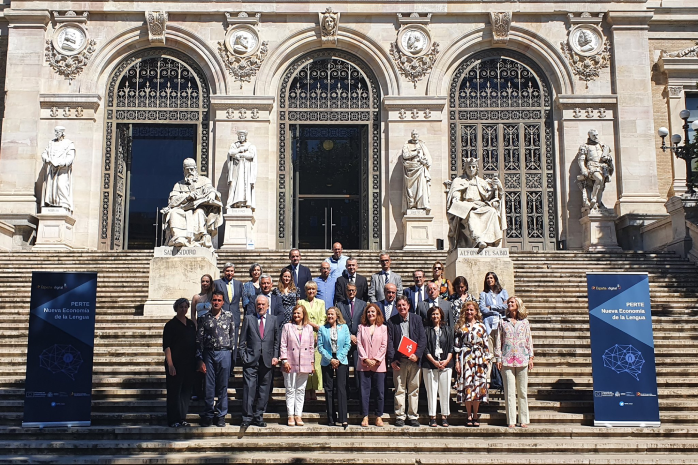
x,y
438,382
515,380
295,392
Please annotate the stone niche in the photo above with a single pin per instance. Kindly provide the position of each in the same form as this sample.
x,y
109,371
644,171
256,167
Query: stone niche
x,y
474,264
176,272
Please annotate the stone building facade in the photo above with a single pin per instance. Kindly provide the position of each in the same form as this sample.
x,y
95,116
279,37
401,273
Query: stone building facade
x,y
329,94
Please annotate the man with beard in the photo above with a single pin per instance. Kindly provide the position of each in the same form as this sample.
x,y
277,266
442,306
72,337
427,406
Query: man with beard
x,y
194,210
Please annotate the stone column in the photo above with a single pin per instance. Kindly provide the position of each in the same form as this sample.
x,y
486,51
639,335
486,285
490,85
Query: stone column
x,y
639,201
20,163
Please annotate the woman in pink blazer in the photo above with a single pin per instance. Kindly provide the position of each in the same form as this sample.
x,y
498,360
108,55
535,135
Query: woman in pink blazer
x,y
372,343
297,355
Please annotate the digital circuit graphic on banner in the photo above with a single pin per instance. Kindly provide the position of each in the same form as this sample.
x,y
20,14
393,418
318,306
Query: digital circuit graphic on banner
x,y
622,350
58,388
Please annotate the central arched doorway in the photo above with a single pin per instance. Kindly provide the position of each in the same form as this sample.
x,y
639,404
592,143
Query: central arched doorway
x,y
329,153
500,113
157,114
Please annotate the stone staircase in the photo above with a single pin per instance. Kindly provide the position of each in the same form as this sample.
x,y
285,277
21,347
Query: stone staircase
x,y
128,383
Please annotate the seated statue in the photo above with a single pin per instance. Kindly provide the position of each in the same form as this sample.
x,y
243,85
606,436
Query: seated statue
x,y
194,210
596,168
475,210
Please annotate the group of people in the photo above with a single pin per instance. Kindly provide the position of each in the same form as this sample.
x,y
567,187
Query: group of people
x,y
315,329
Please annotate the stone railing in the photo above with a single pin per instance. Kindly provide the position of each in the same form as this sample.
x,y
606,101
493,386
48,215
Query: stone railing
x,y
676,233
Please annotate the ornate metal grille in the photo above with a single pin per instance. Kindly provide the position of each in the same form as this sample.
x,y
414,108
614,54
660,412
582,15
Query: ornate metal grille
x,y
155,85
500,113
331,87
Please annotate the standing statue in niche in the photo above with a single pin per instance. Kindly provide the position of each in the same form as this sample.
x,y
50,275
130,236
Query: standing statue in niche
x,y
242,173
416,162
596,166
194,211
475,210
58,159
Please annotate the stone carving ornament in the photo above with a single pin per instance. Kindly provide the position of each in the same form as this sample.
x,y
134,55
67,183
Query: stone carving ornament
x,y
587,51
58,159
242,173
501,24
596,168
329,26
416,161
690,52
194,210
475,210
157,24
414,53
242,52
69,49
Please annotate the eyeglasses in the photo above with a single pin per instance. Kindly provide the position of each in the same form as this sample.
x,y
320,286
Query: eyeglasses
x,y
437,268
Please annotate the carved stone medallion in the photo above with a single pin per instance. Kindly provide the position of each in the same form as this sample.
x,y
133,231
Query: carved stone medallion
x,y
587,51
242,40
414,40
69,39
586,40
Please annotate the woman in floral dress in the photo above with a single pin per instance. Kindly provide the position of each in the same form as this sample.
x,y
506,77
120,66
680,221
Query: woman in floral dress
x,y
472,356
288,292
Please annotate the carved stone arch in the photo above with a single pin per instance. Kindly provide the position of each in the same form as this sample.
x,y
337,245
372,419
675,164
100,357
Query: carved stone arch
x,y
522,40
153,85
500,112
306,41
112,53
354,97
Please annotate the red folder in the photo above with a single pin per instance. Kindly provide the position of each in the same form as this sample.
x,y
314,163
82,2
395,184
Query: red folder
x,y
407,346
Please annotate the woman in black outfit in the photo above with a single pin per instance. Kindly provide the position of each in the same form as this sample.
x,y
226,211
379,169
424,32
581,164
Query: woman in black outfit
x,y
179,344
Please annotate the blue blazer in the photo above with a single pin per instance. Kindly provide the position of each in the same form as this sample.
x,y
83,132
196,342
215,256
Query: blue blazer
x,y
324,344
303,277
417,334
276,308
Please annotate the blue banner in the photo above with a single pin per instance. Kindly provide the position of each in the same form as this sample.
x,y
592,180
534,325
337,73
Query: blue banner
x,y
58,385
622,350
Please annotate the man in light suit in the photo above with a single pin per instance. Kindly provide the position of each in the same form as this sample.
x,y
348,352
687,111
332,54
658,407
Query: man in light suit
x,y
418,292
387,305
352,309
232,293
350,276
385,276
276,307
259,351
433,300
299,273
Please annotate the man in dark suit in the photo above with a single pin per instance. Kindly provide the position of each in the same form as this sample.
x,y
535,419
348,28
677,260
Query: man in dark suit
x,y
299,273
232,293
352,309
433,300
276,307
259,352
406,370
387,305
350,275
418,292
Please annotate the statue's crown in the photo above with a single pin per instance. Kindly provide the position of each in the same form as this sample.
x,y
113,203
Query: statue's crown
x,y
469,160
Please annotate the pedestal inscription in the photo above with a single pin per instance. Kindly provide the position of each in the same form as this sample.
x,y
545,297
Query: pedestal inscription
x,y
176,272
55,229
239,225
474,264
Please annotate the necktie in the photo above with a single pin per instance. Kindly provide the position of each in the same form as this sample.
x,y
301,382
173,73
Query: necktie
x,y
351,279
352,309
295,276
230,291
261,327
420,296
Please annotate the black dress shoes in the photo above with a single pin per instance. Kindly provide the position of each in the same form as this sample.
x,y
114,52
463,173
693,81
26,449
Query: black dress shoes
x,y
259,423
220,422
245,424
206,422
414,423
399,423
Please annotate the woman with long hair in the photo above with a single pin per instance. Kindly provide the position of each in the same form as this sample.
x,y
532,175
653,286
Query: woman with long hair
x,y
288,292
472,357
445,286
251,289
493,305
372,345
437,364
333,343
201,302
514,353
460,296
297,355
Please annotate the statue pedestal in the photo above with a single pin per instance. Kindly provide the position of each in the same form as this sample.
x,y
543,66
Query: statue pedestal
x,y
239,223
474,265
176,272
599,231
55,229
417,227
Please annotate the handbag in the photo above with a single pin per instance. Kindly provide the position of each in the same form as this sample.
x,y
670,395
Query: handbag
x,y
496,379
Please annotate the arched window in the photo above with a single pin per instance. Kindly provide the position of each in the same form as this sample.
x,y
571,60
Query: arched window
x,y
500,113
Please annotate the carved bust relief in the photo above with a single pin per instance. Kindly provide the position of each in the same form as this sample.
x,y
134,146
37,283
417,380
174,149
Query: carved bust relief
x,y
242,40
414,40
70,39
586,40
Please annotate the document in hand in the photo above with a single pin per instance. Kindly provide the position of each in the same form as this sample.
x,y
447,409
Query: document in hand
x,y
407,346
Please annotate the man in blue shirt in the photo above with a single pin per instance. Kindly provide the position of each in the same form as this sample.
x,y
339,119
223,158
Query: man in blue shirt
x,y
338,262
325,284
